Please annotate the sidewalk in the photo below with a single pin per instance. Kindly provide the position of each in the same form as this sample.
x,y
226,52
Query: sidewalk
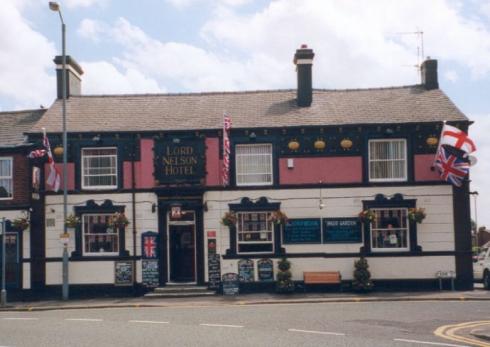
x,y
247,299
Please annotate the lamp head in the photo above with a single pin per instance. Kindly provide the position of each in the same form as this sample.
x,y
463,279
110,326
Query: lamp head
x,y
54,6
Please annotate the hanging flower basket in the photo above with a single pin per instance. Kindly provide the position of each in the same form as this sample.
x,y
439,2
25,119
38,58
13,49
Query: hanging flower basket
x,y
416,214
367,216
20,223
118,220
229,219
278,217
72,221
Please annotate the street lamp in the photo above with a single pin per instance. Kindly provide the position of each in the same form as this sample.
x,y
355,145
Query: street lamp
x,y
475,194
54,6
3,232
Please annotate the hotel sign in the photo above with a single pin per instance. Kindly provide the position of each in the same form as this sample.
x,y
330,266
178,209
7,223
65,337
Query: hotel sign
x,y
180,161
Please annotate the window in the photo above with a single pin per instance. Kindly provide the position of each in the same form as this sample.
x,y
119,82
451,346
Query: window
x,y
99,168
387,160
390,230
253,164
255,232
98,238
6,178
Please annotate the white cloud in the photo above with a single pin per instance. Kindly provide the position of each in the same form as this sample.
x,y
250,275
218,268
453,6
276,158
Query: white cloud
x,y
480,172
90,29
451,75
84,3
25,60
182,4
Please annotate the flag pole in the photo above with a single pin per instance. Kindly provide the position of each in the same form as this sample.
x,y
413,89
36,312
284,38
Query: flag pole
x,y
433,167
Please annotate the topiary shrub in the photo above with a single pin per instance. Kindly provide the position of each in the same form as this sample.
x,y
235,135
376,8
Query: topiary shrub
x,y
284,283
362,277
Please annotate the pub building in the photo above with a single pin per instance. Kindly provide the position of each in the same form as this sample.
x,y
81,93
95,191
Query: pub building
x,y
318,157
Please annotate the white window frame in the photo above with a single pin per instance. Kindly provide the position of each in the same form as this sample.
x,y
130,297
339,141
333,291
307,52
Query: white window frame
x,y
269,230
82,157
372,160
115,233
406,230
11,177
271,173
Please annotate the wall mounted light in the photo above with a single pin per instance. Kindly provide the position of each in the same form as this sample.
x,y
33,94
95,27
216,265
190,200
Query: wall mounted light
x,y
153,208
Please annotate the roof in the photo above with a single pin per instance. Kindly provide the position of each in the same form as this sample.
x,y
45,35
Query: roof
x,y
275,108
14,124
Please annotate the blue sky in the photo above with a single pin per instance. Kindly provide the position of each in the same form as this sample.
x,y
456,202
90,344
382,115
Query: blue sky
x,y
153,46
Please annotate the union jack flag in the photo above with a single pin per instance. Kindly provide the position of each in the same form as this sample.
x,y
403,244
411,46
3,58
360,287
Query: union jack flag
x,y
150,247
451,168
226,149
37,153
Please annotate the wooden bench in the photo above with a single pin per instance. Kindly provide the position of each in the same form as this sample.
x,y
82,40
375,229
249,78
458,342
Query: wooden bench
x,y
322,277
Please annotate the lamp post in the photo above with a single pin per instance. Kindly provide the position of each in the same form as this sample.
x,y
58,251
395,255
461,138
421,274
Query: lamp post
x,y
3,231
54,6
475,194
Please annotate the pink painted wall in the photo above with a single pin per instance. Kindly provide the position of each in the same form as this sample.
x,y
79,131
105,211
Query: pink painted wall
x,y
327,170
71,175
213,163
143,168
422,165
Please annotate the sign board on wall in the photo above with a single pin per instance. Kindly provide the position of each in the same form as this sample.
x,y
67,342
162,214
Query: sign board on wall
x,y
341,230
179,160
265,269
149,245
123,273
305,230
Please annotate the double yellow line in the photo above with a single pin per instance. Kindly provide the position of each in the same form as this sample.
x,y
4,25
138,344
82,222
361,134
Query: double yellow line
x,y
449,332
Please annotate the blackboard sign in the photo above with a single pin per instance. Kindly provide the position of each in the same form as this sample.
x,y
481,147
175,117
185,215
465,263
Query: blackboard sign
x,y
149,273
265,269
214,271
246,270
341,230
230,284
123,273
307,230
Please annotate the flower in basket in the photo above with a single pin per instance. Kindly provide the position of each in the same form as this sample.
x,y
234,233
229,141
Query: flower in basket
x,y
416,214
278,217
118,220
72,221
229,219
367,216
20,223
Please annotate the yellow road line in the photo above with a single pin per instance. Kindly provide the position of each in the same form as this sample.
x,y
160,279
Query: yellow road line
x,y
449,332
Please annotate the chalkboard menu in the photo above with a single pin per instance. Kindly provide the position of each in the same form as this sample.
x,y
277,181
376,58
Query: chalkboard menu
x,y
149,273
265,269
230,283
123,273
246,270
307,230
214,271
341,230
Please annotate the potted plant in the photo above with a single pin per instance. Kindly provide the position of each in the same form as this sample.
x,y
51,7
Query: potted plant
x,y
416,214
72,221
278,217
118,220
20,223
362,277
284,283
229,219
367,216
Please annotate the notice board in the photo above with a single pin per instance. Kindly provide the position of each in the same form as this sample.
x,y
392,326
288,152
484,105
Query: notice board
x,y
302,231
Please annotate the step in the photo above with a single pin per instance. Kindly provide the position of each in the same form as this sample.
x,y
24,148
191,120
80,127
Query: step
x,y
180,289
157,295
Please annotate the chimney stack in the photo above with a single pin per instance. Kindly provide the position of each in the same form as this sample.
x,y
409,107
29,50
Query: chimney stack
x,y
304,60
73,77
428,71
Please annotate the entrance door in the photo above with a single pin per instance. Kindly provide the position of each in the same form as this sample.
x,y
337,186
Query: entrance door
x,y
11,260
182,247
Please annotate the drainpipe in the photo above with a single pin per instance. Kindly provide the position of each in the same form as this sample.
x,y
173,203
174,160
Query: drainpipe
x,y
133,198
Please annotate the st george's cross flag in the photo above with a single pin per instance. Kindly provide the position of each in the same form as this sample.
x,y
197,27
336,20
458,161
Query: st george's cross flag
x,y
454,137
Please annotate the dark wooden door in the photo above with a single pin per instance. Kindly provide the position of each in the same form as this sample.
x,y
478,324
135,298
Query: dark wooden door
x,y
12,270
182,253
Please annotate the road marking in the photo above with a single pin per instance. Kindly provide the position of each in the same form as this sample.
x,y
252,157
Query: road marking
x,y
148,322
20,318
430,343
221,325
449,332
316,332
84,319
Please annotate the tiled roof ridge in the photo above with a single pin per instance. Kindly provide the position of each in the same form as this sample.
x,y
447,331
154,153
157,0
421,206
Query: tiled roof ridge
x,y
241,92
22,111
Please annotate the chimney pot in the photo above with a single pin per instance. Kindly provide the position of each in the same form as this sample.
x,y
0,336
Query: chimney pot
x,y
428,72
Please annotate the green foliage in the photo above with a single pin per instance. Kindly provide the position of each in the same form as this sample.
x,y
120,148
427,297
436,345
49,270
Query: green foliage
x,y
362,277
284,283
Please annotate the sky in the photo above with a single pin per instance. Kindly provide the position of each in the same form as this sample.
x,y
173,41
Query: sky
x,y
160,46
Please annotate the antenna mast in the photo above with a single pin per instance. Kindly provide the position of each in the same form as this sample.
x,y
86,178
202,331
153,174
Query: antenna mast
x,y
420,47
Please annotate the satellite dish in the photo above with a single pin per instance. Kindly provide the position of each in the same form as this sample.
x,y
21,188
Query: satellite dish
x,y
472,160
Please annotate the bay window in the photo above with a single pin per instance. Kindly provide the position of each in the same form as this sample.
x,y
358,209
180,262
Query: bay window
x,y
254,232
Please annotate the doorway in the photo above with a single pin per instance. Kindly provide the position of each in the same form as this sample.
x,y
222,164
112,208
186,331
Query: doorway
x,y
12,264
182,247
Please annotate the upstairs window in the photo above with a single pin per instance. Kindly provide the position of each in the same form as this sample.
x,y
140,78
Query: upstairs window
x,y
254,232
387,160
98,237
6,178
253,164
99,168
